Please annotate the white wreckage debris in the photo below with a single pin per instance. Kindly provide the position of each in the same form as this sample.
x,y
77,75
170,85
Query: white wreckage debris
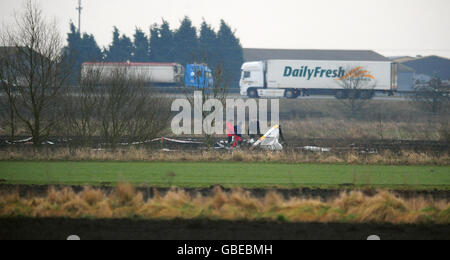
x,y
316,149
27,141
182,141
224,144
162,140
271,140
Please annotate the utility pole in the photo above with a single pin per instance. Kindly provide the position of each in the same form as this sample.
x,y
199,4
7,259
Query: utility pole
x,y
79,8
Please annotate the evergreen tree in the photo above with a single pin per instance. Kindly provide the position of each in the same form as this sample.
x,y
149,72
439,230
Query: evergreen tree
x,y
73,40
91,52
208,44
126,49
113,48
162,43
121,49
186,43
80,49
183,46
231,54
141,47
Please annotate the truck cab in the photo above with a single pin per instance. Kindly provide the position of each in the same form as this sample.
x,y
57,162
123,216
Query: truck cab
x,y
198,76
252,78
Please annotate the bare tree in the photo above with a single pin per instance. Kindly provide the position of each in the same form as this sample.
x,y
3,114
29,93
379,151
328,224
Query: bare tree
x,y
433,96
7,99
444,131
79,109
357,90
34,70
116,106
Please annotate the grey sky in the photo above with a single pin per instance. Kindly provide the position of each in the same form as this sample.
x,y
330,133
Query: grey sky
x,y
391,27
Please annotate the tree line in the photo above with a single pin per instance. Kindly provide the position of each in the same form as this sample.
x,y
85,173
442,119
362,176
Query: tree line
x,y
183,45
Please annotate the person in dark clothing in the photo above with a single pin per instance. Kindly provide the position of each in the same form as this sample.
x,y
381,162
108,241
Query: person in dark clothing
x,y
281,135
258,130
237,135
230,132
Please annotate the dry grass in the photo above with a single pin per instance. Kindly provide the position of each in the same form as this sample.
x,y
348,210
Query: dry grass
x,y
326,128
136,154
400,120
352,207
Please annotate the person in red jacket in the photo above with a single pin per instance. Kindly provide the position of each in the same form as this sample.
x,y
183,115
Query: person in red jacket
x,y
233,132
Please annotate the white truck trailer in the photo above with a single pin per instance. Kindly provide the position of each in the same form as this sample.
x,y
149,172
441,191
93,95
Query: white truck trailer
x,y
293,78
158,73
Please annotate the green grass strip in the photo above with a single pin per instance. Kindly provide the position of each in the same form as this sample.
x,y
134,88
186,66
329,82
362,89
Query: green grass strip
x,y
246,175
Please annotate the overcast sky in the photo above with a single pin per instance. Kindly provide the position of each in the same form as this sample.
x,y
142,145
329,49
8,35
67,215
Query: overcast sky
x,y
391,27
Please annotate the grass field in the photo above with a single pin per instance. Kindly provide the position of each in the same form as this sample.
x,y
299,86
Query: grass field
x,y
246,175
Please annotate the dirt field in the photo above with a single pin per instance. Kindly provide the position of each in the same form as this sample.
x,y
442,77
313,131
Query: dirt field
x,y
60,229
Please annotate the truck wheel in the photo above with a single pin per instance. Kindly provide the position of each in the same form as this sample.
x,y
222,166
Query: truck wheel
x,y
290,94
341,94
252,93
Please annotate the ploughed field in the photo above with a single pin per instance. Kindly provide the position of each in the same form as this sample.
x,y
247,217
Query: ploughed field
x,y
128,229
